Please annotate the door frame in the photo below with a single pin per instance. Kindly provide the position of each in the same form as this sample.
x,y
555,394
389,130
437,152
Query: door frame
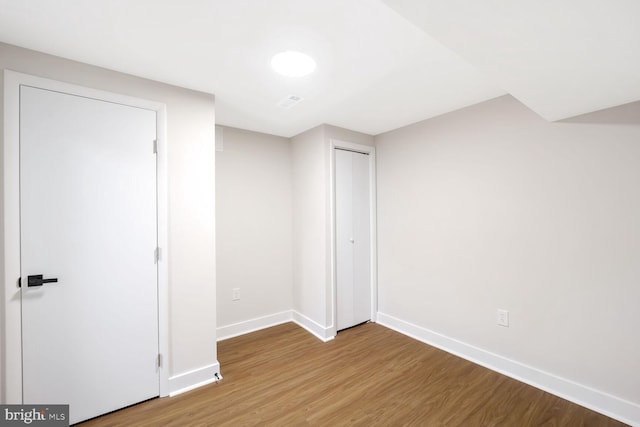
x,y
371,151
11,323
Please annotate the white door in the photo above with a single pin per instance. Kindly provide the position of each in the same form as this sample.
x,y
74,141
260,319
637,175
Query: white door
x,y
353,242
88,219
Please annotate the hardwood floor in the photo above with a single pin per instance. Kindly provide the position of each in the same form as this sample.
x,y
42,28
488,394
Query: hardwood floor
x,y
367,376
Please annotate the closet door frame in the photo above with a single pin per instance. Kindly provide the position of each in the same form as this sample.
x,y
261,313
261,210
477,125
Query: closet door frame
x,y
371,151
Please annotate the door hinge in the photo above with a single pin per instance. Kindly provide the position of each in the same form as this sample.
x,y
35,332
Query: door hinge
x,y
156,255
155,146
159,360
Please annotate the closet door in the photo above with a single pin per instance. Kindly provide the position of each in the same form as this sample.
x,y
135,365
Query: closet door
x,y
353,242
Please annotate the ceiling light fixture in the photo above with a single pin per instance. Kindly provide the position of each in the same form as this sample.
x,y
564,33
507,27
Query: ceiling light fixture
x,y
293,64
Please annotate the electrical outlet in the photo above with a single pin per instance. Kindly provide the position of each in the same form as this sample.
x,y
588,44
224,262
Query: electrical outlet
x,y
503,318
236,294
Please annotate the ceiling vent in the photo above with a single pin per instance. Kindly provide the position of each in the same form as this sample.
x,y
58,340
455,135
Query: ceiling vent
x,y
289,101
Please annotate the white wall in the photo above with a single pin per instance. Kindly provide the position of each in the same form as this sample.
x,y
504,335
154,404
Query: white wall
x,y
191,170
492,207
309,226
312,297
335,132
273,229
254,229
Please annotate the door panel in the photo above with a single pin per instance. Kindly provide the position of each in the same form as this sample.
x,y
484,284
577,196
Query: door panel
x,y
362,237
88,218
344,235
353,266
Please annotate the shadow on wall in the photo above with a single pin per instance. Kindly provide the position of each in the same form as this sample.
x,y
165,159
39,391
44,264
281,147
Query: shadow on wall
x,y
627,114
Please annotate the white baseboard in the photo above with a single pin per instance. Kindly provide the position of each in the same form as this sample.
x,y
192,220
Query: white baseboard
x,y
322,333
252,325
611,406
193,379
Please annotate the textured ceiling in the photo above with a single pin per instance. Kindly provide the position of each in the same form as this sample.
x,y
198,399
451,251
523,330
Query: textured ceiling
x,y
381,65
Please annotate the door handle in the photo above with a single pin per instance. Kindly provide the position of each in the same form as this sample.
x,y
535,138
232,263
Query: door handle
x,y
37,280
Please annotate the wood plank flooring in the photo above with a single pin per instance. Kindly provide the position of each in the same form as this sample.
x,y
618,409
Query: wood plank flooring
x,y
367,376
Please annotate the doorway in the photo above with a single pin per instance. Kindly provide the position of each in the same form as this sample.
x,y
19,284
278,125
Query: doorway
x,y
90,222
353,239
